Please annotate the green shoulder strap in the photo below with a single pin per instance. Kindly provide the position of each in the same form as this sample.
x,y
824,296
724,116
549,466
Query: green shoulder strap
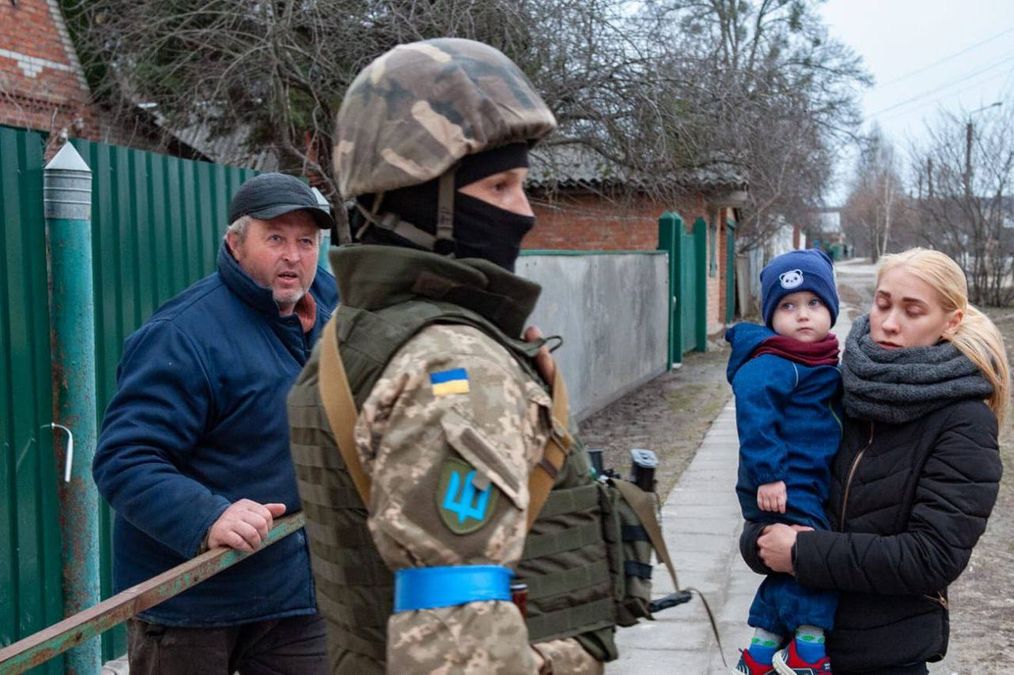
x,y
643,505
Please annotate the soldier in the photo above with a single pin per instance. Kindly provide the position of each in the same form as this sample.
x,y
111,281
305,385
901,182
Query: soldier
x,y
451,416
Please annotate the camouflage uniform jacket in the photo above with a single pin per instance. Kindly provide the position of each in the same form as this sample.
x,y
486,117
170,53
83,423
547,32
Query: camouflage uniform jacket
x,y
451,401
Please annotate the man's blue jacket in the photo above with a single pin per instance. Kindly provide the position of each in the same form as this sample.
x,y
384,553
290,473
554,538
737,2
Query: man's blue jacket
x,y
198,422
788,419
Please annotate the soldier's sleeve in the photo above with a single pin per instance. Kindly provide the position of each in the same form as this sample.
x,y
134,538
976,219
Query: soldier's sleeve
x,y
449,434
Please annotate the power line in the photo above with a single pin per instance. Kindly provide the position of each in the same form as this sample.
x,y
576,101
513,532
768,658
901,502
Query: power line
x,y
958,80
902,113
944,59
909,110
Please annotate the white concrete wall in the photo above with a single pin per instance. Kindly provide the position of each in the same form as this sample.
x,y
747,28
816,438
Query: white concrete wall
x,y
611,310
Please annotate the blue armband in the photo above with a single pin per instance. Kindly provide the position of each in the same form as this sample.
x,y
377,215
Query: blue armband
x,y
432,587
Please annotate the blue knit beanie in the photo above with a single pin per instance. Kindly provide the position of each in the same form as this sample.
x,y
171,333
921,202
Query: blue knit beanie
x,y
809,270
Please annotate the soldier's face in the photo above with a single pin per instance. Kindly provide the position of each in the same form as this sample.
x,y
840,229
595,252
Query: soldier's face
x,y
504,190
280,254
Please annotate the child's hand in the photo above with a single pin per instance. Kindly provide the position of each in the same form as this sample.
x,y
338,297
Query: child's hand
x,y
772,497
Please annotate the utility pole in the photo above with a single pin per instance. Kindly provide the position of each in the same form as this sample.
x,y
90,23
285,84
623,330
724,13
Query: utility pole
x,y
968,158
968,146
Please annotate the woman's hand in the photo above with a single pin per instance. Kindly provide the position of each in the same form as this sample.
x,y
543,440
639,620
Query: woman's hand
x,y
775,546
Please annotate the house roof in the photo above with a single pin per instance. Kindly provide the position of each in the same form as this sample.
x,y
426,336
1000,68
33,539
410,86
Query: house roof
x,y
575,166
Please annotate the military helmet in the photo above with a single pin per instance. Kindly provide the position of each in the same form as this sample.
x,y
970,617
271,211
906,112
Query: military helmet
x,y
412,113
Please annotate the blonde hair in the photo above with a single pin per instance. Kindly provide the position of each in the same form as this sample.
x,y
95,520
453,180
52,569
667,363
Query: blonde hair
x,y
976,336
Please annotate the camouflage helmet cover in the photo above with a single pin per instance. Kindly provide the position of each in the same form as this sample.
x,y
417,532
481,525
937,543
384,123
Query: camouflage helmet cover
x,y
419,108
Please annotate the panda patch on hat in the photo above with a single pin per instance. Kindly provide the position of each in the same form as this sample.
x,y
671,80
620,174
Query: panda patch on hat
x,y
791,279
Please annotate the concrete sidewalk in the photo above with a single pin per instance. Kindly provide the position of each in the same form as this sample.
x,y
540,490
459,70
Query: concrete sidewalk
x,y
702,522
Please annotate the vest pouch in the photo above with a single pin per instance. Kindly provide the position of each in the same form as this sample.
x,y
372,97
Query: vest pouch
x,y
630,552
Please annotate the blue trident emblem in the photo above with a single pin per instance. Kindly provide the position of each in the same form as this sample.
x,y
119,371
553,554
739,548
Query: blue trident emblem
x,y
465,504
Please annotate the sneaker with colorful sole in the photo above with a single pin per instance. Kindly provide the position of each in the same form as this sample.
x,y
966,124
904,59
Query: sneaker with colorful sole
x,y
748,666
788,662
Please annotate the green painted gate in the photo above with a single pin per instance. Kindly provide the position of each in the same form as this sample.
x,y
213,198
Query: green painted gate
x,y
31,589
687,284
730,271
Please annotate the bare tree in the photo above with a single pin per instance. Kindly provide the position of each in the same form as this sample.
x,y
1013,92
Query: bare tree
x,y
652,89
280,69
877,199
767,87
965,206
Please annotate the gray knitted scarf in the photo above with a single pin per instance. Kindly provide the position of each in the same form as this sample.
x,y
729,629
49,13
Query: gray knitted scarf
x,y
900,385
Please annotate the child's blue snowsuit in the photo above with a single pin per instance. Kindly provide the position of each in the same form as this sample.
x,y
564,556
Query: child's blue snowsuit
x,y
788,418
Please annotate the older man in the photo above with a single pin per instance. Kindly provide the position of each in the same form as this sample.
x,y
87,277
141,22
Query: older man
x,y
194,450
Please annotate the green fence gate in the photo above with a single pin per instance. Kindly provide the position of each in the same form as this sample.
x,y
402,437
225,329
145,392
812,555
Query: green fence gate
x,y
730,271
687,284
31,589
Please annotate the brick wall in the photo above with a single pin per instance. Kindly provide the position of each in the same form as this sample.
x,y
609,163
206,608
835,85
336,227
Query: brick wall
x,y
41,82
42,85
590,222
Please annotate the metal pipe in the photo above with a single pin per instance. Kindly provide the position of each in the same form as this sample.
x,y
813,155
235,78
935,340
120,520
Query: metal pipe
x,y
40,647
67,196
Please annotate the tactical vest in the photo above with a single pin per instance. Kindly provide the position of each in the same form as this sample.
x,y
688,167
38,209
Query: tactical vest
x,y
565,562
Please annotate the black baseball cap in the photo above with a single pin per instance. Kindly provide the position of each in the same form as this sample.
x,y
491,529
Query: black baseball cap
x,y
270,195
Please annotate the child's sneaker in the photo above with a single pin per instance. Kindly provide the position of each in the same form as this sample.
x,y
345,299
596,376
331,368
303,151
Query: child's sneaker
x,y
788,662
748,666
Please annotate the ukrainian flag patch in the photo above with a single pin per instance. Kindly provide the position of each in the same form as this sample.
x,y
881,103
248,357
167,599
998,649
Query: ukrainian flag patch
x,y
448,382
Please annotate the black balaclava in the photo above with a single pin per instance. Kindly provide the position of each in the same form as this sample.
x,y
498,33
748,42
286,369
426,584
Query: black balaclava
x,y
481,230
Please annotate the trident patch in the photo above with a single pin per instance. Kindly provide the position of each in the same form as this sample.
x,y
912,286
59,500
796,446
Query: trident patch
x,y
463,506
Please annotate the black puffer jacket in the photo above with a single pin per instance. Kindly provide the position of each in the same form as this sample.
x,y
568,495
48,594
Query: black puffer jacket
x,y
912,500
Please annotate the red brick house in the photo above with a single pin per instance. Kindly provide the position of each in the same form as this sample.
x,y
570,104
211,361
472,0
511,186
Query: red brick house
x,y
583,204
42,87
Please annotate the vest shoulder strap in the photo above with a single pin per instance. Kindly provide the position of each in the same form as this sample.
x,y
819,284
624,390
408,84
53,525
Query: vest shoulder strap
x,y
340,409
643,505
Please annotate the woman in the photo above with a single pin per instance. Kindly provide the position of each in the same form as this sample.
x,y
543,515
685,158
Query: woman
x,y
926,384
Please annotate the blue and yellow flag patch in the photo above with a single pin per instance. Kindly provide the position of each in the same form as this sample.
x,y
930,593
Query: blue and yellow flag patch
x,y
448,382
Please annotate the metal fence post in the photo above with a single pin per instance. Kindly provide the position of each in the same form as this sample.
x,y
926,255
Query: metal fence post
x,y
67,197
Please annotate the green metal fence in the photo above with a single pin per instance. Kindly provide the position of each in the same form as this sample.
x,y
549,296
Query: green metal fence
x,y
156,224
687,283
31,595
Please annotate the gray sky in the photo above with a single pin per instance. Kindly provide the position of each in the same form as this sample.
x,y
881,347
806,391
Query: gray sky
x,y
927,56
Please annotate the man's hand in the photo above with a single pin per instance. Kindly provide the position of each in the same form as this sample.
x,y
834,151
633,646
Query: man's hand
x,y
543,360
772,497
244,525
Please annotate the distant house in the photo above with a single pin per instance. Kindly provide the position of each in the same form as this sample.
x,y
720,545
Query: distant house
x,y
583,202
